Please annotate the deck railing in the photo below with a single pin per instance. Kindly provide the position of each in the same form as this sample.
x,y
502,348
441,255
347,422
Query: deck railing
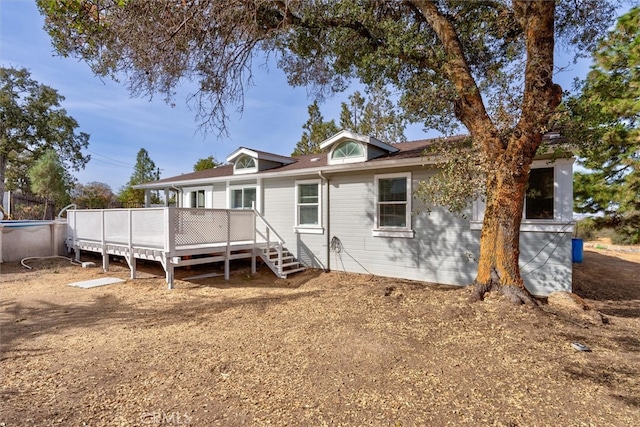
x,y
173,236
165,229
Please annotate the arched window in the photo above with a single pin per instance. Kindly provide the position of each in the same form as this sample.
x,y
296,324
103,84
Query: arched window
x,y
347,149
246,162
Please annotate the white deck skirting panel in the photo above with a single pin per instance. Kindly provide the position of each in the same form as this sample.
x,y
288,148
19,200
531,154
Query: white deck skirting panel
x,y
172,236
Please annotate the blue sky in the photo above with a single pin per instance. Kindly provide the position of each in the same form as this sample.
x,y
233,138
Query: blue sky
x,y
120,125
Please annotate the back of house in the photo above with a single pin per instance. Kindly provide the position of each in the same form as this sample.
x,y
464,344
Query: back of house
x,y
352,208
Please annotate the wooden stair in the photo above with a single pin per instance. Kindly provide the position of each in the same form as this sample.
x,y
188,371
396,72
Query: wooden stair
x,y
281,261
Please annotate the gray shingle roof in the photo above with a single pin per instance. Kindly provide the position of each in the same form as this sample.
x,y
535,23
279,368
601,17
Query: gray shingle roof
x,y
407,150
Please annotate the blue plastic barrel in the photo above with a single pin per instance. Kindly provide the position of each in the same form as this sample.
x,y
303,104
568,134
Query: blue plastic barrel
x,y
576,250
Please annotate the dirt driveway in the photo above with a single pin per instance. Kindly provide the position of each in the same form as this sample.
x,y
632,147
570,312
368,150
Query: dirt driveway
x,y
317,349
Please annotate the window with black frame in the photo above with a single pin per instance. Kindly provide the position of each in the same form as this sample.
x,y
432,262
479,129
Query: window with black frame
x,y
197,199
539,202
243,198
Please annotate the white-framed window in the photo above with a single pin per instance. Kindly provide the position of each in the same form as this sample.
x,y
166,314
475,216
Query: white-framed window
x,y
245,164
309,206
540,195
197,199
393,205
347,152
243,197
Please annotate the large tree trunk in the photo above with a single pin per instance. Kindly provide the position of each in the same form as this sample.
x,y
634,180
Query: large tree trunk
x,y
498,268
511,156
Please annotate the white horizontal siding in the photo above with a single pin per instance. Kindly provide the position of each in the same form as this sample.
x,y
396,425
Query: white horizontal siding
x,y
444,249
279,210
278,199
219,194
546,262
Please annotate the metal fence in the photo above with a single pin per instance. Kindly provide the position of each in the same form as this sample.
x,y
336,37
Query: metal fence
x,y
23,206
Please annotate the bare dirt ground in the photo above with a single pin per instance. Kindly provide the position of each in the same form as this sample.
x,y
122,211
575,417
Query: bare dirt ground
x,y
316,349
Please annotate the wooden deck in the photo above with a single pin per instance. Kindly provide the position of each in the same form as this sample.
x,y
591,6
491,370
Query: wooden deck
x,y
176,237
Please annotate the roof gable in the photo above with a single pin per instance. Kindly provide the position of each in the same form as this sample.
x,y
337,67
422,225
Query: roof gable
x,y
350,147
248,161
346,135
259,155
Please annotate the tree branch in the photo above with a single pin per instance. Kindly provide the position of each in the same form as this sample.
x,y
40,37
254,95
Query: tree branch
x,y
541,95
469,108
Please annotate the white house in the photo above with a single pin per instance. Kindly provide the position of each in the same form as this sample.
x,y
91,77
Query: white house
x,y
351,209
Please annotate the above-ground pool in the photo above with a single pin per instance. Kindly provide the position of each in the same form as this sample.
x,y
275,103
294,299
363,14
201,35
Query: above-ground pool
x,y
31,238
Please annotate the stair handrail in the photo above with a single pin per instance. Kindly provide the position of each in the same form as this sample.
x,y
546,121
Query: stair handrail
x,y
280,240
270,227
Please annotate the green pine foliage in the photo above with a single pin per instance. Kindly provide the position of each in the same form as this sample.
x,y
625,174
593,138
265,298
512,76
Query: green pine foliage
x,y
205,163
315,131
145,170
605,116
374,115
47,177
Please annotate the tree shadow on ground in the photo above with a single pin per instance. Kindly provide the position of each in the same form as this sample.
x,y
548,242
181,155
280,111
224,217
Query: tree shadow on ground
x,y
611,377
614,374
612,283
21,322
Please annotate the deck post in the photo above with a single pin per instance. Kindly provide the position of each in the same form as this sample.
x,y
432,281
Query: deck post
x,y
228,248
132,258
253,261
169,231
169,243
132,265
255,245
105,255
169,268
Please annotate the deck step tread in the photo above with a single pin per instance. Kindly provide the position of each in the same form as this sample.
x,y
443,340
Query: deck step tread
x,y
297,270
284,258
291,264
282,262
